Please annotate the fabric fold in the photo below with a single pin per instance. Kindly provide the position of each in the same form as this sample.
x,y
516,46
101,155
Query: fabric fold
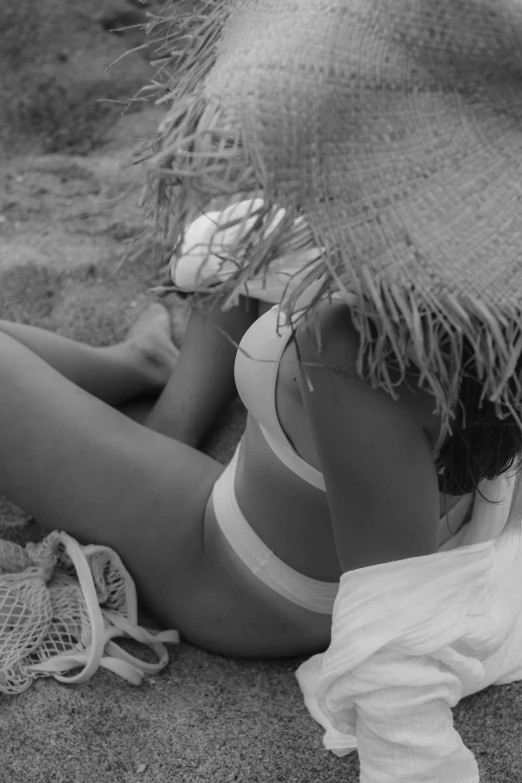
x,y
411,638
208,257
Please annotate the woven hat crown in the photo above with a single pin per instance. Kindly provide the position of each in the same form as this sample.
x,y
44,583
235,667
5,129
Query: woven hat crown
x,y
395,128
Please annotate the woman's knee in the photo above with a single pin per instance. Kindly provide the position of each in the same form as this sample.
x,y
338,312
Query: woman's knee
x,y
10,352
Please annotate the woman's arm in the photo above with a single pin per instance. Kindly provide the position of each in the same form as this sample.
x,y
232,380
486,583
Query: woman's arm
x,y
389,677
376,459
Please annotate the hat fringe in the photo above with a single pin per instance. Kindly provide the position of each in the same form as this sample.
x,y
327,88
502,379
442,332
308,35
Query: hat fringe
x,y
200,156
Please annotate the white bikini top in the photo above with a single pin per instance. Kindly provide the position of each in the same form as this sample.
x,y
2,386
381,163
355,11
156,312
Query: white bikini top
x,y
256,371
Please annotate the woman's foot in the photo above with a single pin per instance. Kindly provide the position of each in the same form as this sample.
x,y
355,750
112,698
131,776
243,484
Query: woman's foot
x,y
150,340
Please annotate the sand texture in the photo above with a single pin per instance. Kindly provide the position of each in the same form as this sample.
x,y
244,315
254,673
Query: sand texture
x,y
62,158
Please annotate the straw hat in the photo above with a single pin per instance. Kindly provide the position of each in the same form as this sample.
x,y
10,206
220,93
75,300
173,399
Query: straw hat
x,y
395,129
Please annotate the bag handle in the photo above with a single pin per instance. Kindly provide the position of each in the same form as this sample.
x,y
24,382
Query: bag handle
x,y
105,625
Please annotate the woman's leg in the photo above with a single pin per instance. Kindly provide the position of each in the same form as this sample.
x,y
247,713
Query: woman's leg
x,y
198,382
78,465
141,364
202,384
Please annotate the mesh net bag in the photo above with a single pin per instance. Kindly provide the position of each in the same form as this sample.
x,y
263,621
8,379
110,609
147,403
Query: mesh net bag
x,y
61,607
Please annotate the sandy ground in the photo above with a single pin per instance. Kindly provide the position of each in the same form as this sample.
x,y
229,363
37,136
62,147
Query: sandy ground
x,y
204,718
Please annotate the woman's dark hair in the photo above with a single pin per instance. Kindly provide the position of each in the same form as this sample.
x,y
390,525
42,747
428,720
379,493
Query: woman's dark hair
x,y
481,445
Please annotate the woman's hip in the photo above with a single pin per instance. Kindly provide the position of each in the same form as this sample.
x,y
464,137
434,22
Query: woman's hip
x,y
249,602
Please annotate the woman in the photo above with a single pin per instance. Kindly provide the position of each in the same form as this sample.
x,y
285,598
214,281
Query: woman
x,y
85,459
373,421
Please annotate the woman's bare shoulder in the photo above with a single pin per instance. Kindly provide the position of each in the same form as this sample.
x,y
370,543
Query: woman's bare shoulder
x,y
331,334
333,341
